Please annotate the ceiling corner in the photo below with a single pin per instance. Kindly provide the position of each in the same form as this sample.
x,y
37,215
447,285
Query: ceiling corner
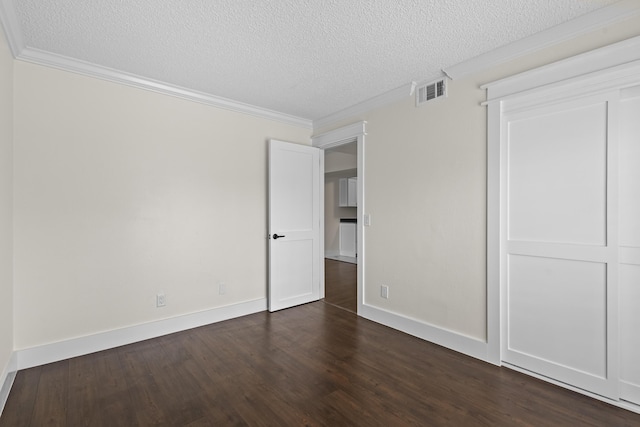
x,y
589,22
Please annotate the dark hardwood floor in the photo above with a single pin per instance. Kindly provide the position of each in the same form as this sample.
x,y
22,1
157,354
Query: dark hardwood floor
x,y
341,284
310,365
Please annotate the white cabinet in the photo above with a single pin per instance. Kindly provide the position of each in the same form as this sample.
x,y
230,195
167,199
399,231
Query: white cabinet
x,y
348,242
348,192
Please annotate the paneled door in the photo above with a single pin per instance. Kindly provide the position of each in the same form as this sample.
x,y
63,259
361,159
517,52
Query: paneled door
x,y
294,224
561,248
564,222
630,244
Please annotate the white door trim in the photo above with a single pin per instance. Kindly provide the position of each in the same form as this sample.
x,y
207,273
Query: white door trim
x,y
352,133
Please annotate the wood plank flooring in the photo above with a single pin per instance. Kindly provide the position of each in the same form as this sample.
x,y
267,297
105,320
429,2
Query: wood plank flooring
x,y
312,365
341,284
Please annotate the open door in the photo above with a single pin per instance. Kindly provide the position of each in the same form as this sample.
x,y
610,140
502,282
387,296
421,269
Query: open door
x,y
294,224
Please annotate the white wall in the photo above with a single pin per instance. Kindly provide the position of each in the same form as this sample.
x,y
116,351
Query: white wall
x,y
426,195
335,161
121,193
6,208
425,174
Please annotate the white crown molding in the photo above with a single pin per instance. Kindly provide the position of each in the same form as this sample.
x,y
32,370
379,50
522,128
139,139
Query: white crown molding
x,y
9,21
48,59
600,18
62,350
381,100
387,98
584,24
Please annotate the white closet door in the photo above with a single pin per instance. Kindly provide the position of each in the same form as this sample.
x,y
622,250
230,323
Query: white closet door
x,y
561,291
630,245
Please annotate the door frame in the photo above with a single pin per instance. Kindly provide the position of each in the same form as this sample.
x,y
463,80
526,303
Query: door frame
x,y
352,133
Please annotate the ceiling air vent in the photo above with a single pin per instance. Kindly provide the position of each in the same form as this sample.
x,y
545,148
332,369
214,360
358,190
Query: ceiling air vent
x,y
430,91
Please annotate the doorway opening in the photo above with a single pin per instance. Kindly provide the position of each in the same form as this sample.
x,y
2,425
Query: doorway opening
x,y
341,225
350,134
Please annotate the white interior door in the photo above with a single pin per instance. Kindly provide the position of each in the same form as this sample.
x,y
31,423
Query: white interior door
x,y
630,245
294,224
561,243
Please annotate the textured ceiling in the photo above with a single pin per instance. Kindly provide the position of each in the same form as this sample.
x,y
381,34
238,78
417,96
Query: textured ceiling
x,y
306,58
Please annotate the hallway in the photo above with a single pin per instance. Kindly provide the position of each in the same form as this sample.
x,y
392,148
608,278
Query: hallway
x,y
341,283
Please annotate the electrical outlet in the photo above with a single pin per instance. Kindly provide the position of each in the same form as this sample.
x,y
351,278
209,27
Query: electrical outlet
x,y
161,300
384,291
222,288
367,220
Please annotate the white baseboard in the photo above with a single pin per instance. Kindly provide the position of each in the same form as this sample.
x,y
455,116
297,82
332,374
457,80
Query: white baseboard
x,y
443,337
48,353
6,380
